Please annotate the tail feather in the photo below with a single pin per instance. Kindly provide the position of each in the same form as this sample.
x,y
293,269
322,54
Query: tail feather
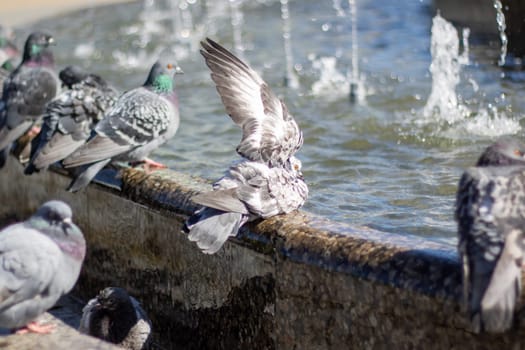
x,y
495,312
210,228
87,173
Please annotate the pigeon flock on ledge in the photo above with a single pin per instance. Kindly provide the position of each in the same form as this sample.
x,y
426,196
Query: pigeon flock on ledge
x,y
77,120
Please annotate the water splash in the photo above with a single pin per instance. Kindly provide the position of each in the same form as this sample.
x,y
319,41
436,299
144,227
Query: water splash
x,y
500,19
290,79
443,104
237,20
331,83
491,123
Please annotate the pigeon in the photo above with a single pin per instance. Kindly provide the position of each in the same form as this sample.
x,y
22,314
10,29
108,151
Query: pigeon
x,y
490,212
69,118
72,75
249,190
40,260
506,151
270,134
267,181
118,318
27,90
141,120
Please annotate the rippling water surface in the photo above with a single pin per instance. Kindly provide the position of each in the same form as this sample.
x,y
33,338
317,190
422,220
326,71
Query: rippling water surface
x,y
381,163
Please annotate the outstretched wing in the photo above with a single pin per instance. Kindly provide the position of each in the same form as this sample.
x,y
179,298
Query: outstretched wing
x,y
269,133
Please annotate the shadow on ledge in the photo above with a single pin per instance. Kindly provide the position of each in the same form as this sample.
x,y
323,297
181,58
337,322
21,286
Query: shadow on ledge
x,y
294,281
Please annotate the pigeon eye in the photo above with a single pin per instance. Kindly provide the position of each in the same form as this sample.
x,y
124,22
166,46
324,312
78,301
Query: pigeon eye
x,y
518,153
296,166
169,66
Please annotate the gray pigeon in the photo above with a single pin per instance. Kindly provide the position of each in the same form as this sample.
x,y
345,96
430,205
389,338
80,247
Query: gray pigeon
x,y
490,211
140,121
40,260
69,118
268,181
269,133
118,318
249,190
27,90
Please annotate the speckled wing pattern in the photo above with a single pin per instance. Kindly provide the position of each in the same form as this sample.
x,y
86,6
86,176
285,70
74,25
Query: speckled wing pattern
x,y
28,263
269,133
253,188
490,210
25,95
139,117
69,119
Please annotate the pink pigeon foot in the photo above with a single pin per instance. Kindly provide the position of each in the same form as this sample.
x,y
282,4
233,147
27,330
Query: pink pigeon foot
x,y
149,164
35,130
35,327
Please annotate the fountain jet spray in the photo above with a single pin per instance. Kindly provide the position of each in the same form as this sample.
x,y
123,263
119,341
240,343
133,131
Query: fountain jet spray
x,y
500,19
290,79
354,79
237,22
445,68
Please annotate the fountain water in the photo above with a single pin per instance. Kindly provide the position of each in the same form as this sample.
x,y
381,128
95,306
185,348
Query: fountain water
x,y
331,82
444,104
290,79
357,90
500,19
237,20
445,68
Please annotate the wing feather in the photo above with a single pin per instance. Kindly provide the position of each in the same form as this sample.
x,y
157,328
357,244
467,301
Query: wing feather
x,y
28,264
270,133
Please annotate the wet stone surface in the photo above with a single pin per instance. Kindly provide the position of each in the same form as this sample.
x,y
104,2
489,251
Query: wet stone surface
x,y
290,282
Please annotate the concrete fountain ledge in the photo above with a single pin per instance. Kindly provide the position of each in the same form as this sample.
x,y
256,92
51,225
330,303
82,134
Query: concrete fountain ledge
x,y
291,282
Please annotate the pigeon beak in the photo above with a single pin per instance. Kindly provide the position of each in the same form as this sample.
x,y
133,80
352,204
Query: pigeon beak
x,y
51,41
67,221
178,70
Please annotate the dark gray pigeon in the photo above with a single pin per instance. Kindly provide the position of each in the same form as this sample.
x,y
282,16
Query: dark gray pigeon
x,y
269,132
506,151
140,121
72,75
27,90
490,211
40,260
268,181
249,190
118,318
69,118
